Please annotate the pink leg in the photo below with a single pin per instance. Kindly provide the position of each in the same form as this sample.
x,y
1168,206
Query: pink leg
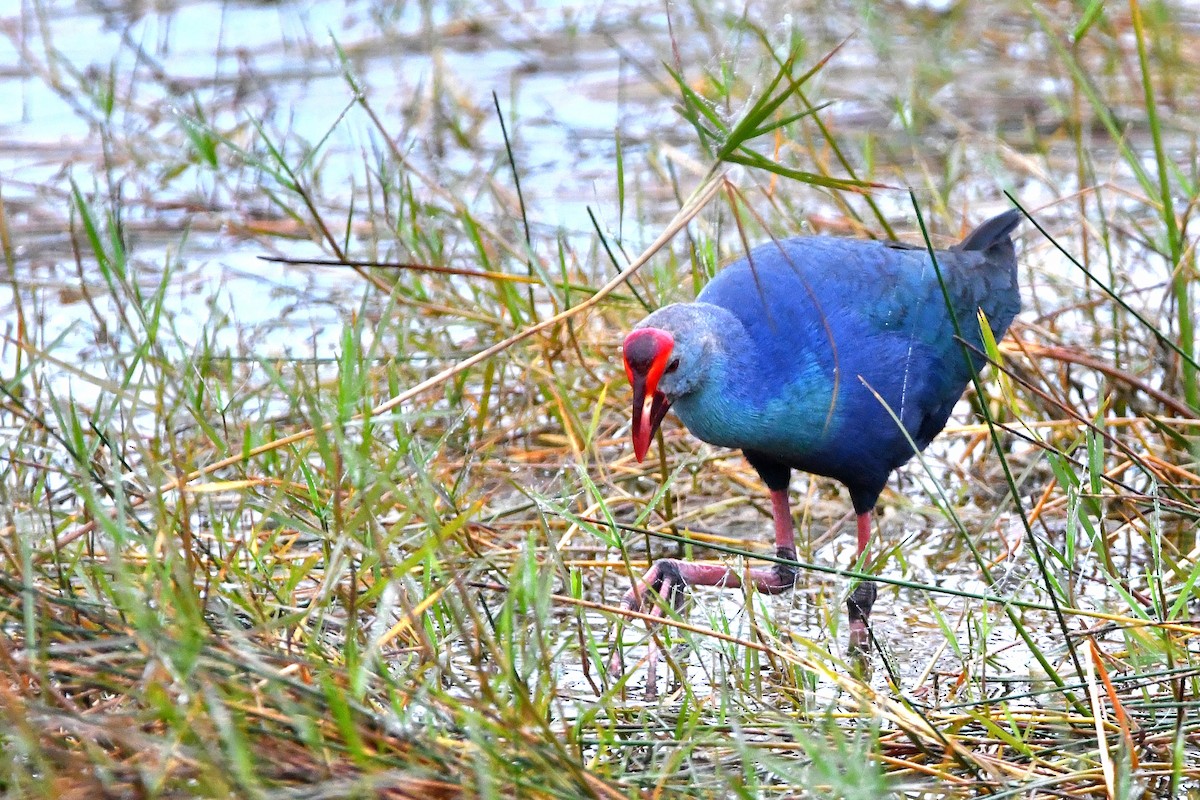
x,y
772,580
669,576
864,532
859,604
669,589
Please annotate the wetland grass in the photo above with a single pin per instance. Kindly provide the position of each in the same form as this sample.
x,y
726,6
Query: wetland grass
x,y
285,529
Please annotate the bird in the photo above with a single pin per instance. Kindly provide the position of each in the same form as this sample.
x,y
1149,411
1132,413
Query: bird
x,y
832,356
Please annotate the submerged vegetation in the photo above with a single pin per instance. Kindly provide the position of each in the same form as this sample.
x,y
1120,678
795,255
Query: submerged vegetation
x,y
315,477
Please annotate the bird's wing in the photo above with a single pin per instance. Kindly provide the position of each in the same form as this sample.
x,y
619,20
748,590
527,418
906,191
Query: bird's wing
x,y
859,321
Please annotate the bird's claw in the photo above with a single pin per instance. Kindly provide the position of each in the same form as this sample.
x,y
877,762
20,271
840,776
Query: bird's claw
x,y
664,573
664,578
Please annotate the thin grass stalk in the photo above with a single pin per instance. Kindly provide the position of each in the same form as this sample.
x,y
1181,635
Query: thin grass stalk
x,y
1012,488
1180,276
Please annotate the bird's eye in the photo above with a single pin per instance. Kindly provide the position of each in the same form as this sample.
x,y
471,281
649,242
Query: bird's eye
x,y
674,365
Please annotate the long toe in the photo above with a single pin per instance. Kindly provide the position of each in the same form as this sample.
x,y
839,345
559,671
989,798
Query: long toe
x,y
662,576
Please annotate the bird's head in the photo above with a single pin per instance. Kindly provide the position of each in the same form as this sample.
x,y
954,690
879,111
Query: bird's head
x,y
662,363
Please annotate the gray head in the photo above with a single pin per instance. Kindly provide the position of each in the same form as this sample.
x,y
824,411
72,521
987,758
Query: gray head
x,y
667,356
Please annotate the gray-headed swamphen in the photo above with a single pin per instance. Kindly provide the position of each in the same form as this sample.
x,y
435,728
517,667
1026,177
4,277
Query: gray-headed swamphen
x,y
803,355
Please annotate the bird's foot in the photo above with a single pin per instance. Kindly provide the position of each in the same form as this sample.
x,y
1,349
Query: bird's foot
x,y
858,606
668,577
665,578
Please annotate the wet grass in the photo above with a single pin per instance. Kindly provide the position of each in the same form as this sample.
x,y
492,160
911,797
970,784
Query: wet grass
x,y
355,521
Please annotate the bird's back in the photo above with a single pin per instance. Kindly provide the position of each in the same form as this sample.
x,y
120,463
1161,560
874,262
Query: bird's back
x,y
844,330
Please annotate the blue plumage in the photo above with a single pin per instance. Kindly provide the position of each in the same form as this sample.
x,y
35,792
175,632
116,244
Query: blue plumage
x,y
832,356
797,335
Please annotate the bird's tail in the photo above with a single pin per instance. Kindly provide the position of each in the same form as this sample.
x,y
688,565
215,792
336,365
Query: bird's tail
x,y
991,233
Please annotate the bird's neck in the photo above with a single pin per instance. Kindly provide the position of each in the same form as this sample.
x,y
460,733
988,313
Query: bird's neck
x,y
747,400
731,371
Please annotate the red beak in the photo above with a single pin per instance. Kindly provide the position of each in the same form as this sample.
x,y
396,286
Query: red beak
x,y
646,352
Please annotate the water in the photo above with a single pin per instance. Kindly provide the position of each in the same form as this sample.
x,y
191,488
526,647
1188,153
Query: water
x,y
276,65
